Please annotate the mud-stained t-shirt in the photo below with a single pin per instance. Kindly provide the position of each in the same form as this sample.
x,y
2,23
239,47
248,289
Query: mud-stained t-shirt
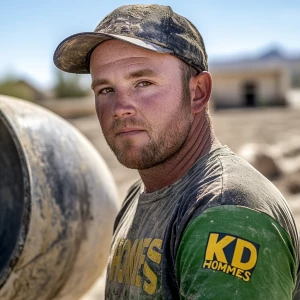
x,y
223,231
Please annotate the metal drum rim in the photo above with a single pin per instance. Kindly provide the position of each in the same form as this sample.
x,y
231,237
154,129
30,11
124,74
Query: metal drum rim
x,y
26,201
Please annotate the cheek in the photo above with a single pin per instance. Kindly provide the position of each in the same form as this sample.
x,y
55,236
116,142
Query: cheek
x,y
157,103
98,109
163,106
103,115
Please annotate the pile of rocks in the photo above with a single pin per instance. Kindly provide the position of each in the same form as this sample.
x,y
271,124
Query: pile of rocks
x,y
277,162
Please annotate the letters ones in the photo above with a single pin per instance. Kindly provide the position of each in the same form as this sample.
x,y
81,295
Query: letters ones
x,y
131,263
231,255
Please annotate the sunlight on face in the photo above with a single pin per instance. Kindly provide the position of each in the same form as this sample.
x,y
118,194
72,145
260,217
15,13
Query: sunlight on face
x,y
143,108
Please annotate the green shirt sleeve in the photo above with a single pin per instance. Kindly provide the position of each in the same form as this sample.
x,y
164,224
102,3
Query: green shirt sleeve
x,y
233,252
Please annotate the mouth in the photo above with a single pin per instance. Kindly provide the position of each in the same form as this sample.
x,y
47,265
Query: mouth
x,y
129,131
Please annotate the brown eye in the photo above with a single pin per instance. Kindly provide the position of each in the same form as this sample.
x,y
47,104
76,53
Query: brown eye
x,y
106,91
144,83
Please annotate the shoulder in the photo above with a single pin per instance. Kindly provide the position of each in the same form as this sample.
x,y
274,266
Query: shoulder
x,y
228,180
236,247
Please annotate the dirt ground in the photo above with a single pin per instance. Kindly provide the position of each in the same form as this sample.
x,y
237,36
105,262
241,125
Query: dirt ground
x,y
234,128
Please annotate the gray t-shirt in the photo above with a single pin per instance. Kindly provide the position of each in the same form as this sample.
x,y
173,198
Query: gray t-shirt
x,y
223,231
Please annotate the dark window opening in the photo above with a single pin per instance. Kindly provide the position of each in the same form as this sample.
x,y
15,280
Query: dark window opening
x,y
250,94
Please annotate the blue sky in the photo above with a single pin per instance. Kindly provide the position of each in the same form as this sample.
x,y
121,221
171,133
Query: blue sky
x,y
31,30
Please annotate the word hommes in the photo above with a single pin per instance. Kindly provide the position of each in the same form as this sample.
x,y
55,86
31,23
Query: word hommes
x,y
231,255
133,261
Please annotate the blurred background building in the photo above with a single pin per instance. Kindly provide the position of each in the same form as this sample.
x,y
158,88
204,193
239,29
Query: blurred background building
x,y
271,79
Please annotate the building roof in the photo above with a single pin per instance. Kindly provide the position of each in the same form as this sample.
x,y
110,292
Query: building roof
x,y
272,60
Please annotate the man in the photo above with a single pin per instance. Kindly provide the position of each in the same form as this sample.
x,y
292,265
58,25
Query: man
x,y
201,223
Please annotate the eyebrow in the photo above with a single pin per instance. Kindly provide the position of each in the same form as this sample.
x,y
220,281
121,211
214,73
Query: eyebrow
x,y
141,73
98,82
135,74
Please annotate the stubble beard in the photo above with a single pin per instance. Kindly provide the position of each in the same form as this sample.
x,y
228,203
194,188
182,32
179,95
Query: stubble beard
x,y
158,151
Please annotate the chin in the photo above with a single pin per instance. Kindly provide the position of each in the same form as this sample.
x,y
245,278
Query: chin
x,y
141,158
143,161
131,163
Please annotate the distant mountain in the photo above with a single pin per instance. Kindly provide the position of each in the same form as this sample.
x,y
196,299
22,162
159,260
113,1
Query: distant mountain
x,y
275,53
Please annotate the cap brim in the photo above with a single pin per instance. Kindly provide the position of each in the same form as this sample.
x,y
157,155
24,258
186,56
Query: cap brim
x,y
73,54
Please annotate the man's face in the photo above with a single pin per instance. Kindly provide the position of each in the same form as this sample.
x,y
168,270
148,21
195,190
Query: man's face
x,y
143,112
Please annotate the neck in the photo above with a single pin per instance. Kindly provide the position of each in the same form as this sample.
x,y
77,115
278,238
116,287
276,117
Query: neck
x,y
201,140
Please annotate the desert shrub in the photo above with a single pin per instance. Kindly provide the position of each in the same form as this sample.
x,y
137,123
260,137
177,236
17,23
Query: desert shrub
x,y
69,85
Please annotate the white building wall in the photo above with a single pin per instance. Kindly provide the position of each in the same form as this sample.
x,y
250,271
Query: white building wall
x,y
228,88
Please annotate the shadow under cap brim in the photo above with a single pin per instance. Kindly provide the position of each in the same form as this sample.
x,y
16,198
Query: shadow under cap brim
x,y
73,54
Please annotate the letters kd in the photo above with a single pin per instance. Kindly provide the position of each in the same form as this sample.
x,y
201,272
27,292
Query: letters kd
x,y
231,255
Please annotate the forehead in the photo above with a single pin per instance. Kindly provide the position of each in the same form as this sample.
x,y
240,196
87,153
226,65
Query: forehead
x,y
115,53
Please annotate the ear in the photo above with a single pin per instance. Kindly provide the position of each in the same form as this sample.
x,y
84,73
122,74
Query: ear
x,y
200,91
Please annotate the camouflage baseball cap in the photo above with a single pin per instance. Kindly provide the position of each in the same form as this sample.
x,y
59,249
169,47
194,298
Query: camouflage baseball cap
x,y
154,27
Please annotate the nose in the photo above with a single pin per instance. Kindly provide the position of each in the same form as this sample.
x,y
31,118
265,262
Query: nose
x,y
123,105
